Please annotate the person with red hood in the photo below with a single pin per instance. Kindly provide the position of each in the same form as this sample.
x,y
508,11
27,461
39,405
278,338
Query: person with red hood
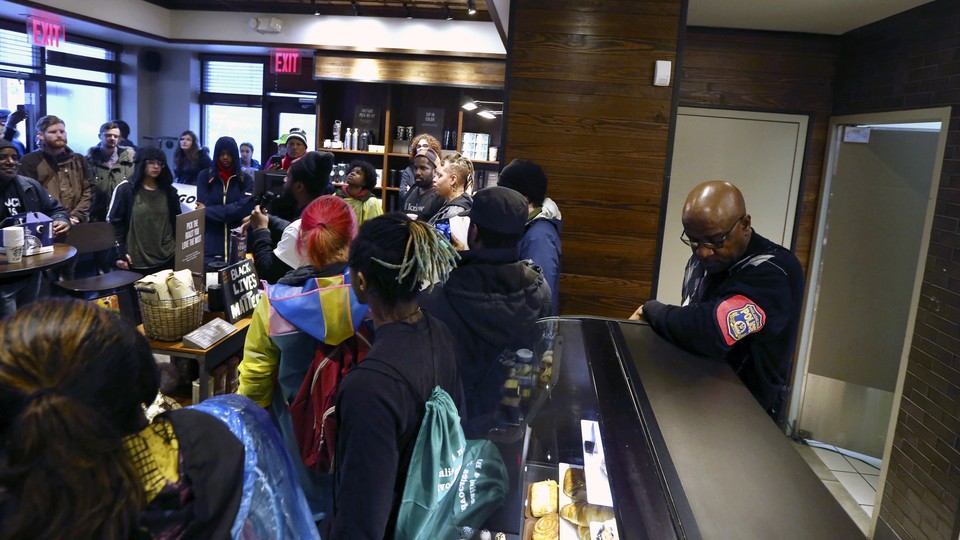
x,y
227,194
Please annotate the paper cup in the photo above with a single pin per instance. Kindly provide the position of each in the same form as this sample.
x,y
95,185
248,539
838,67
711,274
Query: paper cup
x,y
15,253
13,243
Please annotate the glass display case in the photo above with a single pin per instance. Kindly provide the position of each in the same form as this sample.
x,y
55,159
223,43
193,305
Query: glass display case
x,y
670,445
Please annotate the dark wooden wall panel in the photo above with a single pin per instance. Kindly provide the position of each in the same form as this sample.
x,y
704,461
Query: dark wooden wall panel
x,y
768,72
581,103
466,73
912,61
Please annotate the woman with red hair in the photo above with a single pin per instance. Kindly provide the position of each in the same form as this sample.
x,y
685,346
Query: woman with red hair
x,y
312,312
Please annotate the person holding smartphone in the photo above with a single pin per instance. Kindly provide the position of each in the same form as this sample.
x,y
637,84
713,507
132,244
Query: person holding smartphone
x,y
8,127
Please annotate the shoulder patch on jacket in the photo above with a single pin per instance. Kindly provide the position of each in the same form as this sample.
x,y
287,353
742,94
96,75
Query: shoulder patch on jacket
x,y
738,317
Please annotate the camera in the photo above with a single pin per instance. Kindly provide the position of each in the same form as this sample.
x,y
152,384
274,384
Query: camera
x,y
264,199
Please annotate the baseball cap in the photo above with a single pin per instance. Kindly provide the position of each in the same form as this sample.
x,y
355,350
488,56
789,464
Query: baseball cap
x,y
4,113
282,139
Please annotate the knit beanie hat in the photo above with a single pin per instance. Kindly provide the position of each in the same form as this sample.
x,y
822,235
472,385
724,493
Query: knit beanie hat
x,y
428,153
297,133
526,177
7,144
500,210
313,171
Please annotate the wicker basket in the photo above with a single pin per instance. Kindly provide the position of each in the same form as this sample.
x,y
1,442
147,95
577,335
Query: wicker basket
x,y
170,320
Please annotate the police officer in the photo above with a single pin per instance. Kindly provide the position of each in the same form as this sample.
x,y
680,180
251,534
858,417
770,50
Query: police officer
x,y
741,295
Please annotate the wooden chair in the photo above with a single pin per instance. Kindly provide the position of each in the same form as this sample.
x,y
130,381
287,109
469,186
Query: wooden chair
x,y
97,239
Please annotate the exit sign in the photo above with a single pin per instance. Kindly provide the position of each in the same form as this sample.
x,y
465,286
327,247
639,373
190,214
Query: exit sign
x,y
46,33
285,61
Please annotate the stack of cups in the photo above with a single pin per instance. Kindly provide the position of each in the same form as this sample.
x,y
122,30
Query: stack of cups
x,y
13,243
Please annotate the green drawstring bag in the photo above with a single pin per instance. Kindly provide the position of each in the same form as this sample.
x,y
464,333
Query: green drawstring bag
x,y
453,485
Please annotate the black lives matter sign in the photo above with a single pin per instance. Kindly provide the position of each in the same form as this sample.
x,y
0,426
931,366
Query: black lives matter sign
x,y
240,293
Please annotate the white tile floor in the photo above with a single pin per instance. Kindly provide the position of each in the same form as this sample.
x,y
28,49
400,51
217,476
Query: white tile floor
x,y
858,478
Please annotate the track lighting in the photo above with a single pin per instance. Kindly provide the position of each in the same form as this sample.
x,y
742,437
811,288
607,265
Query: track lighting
x,y
356,8
316,10
447,14
487,113
471,7
406,11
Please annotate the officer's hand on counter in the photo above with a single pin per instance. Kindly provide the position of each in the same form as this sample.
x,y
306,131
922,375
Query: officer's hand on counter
x,y
638,314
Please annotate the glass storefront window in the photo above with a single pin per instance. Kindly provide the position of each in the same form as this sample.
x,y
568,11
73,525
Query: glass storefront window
x,y
83,108
241,123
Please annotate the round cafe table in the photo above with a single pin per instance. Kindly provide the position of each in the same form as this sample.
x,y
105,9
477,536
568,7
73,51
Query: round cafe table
x,y
61,255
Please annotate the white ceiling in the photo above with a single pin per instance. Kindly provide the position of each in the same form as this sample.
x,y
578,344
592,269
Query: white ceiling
x,y
814,16
833,17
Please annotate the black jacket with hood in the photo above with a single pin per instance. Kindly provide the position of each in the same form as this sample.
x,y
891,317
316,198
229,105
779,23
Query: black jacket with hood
x,y
227,202
491,302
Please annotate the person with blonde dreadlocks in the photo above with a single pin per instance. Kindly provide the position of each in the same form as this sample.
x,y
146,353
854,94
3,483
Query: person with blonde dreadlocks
x,y
381,402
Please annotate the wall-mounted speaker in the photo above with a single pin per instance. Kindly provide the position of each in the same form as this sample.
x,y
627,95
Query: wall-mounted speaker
x,y
151,61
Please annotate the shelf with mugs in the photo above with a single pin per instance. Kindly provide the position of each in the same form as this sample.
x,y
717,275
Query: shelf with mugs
x,y
393,114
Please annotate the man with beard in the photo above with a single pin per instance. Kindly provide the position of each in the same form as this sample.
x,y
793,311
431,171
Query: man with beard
x,y
21,194
64,173
741,295
307,179
110,164
422,201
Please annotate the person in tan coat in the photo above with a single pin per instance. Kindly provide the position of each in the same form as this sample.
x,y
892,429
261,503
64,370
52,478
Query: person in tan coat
x,y
61,171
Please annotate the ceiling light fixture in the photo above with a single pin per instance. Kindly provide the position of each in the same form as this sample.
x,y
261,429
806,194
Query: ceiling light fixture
x,y
488,114
467,103
447,14
356,8
316,10
471,7
406,11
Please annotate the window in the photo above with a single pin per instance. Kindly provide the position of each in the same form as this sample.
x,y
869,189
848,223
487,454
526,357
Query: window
x,y
76,81
231,94
241,123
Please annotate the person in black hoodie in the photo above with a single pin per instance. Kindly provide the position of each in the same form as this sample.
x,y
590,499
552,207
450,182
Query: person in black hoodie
x,y
226,193
307,179
381,402
492,300
143,212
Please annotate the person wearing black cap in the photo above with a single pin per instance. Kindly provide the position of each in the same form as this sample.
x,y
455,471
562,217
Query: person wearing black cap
x,y
8,128
492,300
307,179
422,201
541,241
21,194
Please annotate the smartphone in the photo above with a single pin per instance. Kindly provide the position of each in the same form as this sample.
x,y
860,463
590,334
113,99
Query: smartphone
x,y
22,109
276,160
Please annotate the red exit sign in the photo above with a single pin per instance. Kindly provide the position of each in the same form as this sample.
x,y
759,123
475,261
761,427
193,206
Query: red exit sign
x,y
285,61
45,33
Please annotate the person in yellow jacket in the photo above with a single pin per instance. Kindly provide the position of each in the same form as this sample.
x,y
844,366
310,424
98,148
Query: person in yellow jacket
x,y
359,191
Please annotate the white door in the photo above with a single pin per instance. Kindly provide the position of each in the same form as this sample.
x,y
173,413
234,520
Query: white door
x,y
760,153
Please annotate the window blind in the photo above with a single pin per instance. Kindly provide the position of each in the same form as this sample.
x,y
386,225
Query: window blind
x,y
233,77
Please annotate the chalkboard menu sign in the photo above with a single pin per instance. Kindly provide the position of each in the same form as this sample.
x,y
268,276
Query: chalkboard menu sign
x,y
367,118
430,120
240,293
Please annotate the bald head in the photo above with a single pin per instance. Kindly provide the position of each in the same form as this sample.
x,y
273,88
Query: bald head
x,y
716,215
715,203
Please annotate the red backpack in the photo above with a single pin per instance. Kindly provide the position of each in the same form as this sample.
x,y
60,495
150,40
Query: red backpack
x,y
313,411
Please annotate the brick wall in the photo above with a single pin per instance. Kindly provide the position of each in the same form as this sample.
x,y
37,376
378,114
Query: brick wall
x,y
912,61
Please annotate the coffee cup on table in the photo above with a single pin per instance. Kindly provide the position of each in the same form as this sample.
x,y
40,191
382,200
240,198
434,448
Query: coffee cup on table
x,y
13,243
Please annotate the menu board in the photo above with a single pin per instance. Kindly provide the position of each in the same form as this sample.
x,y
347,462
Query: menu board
x,y
430,120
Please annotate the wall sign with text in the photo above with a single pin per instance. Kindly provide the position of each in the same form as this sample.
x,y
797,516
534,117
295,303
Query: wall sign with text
x,y
285,61
46,33
240,293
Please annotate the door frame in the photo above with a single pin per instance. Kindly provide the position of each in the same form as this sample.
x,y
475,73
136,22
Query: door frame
x,y
939,114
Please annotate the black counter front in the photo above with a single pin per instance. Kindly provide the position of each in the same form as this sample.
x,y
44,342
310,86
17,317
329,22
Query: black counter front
x,y
688,451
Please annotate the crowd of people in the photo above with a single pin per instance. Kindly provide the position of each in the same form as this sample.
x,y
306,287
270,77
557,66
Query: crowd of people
x,y
413,302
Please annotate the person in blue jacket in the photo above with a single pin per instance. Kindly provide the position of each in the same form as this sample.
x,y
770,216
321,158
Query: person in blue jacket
x,y
227,194
541,239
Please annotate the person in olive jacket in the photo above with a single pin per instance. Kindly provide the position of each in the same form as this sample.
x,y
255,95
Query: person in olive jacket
x,y
227,194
